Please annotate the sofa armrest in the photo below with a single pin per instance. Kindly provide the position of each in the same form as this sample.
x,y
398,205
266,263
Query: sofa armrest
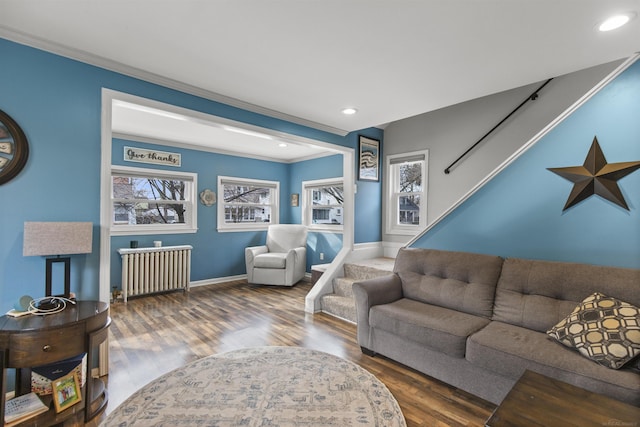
x,y
367,293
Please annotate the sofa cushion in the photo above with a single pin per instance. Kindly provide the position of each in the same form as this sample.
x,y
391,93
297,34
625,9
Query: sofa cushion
x,y
538,294
458,280
603,329
509,350
436,327
270,260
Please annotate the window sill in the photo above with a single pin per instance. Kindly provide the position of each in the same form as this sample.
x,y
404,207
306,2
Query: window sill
x,y
408,231
242,228
152,231
321,229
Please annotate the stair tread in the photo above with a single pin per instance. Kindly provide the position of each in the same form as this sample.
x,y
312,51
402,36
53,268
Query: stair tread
x,y
343,286
339,306
381,263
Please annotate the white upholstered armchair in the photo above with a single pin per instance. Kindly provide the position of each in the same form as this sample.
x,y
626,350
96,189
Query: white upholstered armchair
x,y
283,260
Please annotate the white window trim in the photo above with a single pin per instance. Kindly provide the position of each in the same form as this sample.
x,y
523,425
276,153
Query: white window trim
x,y
223,227
307,203
392,226
191,222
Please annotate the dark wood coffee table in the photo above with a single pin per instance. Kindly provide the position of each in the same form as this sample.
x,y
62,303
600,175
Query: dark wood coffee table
x,y
537,400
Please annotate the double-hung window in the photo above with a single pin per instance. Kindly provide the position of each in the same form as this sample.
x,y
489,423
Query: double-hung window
x,y
407,191
149,201
247,204
322,204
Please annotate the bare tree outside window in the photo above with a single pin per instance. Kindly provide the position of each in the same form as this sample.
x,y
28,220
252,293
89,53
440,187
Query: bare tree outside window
x,y
148,200
247,203
326,204
410,183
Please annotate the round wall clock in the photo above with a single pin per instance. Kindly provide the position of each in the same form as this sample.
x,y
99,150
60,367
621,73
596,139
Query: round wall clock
x,y
14,149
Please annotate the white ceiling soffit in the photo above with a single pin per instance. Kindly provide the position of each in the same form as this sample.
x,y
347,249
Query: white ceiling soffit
x,y
304,61
197,131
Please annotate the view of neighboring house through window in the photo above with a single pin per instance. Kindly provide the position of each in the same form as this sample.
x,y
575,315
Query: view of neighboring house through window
x,y
152,200
407,174
247,203
322,203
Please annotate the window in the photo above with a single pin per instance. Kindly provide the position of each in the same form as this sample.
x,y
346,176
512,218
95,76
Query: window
x,y
149,201
322,202
407,211
247,204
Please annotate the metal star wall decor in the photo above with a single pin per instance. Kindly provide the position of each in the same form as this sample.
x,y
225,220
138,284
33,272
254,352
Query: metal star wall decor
x,y
597,177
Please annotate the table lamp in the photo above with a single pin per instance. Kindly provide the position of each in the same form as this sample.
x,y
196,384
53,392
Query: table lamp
x,y
57,238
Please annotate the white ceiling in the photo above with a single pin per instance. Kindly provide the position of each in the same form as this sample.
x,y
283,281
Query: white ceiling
x,y
305,60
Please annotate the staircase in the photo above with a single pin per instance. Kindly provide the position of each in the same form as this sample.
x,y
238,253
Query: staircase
x,y
341,303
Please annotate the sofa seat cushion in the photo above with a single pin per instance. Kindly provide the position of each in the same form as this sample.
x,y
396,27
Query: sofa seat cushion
x,y
271,260
436,327
509,350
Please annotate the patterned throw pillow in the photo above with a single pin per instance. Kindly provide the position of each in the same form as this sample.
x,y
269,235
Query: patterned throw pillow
x,y
604,329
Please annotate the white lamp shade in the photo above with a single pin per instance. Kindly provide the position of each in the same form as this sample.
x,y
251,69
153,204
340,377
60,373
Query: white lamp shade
x,y
57,238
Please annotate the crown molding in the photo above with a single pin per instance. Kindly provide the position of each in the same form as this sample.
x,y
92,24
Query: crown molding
x,y
118,67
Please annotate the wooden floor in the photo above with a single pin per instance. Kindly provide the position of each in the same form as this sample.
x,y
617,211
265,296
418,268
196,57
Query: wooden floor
x,y
153,335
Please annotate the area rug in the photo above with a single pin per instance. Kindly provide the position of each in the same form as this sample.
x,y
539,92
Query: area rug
x,y
263,386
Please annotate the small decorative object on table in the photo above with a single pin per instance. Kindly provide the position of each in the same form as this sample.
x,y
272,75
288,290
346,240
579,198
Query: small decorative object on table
x,y
66,392
42,377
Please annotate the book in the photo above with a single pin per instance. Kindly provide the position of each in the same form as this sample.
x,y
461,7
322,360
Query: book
x,y
22,408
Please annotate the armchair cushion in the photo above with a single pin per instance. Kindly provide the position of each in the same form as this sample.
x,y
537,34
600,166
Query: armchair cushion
x,y
271,260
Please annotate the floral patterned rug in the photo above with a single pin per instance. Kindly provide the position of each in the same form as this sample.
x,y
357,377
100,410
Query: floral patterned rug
x,y
263,386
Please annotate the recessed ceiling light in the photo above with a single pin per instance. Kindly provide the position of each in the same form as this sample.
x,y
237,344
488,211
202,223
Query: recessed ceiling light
x,y
349,111
615,21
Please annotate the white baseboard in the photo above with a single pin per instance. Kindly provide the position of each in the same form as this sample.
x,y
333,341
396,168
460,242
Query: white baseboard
x,y
374,250
366,251
390,249
216,280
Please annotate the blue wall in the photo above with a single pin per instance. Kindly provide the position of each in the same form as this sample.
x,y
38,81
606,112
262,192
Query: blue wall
x,y
214,254
57,102
368,200
519,213
325,242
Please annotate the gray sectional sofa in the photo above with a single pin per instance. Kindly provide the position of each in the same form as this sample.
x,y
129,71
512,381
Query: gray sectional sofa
x,y
478,322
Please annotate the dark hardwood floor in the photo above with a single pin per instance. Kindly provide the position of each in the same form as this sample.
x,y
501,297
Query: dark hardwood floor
x,y
153,335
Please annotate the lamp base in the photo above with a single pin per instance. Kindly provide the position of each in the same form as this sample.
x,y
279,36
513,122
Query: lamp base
x,y
67,276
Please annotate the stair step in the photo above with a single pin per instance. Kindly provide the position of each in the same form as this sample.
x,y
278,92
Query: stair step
x,y
339,306
343,286
369,269
341,303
